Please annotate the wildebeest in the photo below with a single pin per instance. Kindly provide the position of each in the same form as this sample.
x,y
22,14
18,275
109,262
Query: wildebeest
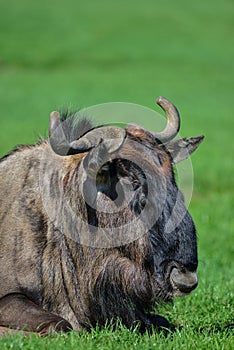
x,y
93,227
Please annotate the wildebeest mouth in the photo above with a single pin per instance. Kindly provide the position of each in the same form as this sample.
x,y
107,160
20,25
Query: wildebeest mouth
x,y
182,281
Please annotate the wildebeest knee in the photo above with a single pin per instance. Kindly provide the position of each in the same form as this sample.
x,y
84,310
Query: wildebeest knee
x,y
19,312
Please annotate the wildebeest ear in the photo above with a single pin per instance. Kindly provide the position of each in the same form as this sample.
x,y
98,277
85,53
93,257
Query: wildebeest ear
x,y
181,149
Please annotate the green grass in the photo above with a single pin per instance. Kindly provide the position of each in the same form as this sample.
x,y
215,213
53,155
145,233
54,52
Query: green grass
x,y
57,53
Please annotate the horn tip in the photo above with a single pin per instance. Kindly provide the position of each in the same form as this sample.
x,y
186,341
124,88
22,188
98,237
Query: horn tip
x,y
54,121
161,100
55,115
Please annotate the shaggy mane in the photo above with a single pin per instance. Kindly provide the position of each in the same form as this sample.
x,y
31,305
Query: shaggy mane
x,y
19,148
75,125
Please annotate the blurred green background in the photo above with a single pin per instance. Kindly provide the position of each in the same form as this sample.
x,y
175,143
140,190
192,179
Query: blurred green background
x,y
81,53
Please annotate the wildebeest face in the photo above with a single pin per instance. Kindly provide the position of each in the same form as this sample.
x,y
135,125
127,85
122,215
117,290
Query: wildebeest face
x,y
124,192
137,193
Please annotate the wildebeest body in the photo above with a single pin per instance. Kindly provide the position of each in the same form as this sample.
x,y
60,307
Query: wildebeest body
x,y
49,276
33,253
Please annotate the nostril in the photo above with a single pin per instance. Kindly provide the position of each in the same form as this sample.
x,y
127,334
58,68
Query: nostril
x,y
185,281
191,267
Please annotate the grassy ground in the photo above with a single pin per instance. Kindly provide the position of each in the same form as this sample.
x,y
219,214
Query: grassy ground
x,y
57,53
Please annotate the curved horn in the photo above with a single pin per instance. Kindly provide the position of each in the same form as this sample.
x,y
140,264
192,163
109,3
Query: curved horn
x,y
112,136
57,137
173,121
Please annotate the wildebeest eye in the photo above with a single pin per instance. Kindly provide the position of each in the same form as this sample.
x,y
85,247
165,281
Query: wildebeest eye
x,y
138,202
142,200
161,159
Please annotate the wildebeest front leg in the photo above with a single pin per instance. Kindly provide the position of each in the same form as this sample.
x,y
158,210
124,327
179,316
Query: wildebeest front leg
x,y
155,322
19,312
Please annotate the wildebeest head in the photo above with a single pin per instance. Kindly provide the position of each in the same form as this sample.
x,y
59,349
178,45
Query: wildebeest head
x,y
124,197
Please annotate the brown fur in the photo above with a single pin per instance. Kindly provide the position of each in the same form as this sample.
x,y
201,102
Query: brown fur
x,y
49,277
